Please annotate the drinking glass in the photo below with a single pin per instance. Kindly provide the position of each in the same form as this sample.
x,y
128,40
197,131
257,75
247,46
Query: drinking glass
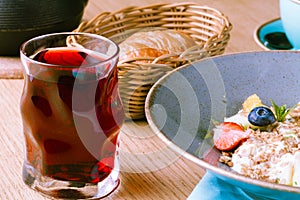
x,y
72,114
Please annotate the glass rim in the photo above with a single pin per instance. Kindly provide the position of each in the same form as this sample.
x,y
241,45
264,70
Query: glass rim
x,y
24,55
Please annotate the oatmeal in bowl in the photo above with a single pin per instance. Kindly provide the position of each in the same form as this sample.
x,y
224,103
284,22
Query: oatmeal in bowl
x,y
266,146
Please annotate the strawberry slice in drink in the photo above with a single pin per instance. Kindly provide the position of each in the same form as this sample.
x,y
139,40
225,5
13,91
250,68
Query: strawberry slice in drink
x,y
228,135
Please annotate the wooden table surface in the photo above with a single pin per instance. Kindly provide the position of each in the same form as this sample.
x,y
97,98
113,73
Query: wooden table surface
x,y
145,172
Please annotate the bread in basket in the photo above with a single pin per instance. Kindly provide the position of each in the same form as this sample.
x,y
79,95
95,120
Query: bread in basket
x,y
209,28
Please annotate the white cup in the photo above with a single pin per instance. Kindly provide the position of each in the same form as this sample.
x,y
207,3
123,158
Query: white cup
x,y
290,17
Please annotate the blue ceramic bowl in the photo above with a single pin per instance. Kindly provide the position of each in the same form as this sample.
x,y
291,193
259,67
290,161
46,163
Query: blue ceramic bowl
x,y
182,106
290,17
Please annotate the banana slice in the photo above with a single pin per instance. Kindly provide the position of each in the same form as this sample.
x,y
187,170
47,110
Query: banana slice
x,y
240,118
284,170
296,175
251,102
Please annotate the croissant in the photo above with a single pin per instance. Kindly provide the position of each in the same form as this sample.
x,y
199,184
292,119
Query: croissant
x,y
154,44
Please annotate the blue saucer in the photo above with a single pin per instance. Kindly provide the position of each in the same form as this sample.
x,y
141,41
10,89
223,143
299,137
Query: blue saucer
x,y
274,28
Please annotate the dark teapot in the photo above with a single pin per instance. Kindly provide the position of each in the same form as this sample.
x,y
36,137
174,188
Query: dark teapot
x,y
21,20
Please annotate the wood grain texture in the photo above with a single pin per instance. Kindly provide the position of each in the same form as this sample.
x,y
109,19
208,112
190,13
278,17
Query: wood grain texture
x,y
145,174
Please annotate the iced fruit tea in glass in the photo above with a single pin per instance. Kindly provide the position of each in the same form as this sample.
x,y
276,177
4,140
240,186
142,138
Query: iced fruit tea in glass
x,y
72,114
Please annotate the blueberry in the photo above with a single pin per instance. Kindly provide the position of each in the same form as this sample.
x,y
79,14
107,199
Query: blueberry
x,y
261,116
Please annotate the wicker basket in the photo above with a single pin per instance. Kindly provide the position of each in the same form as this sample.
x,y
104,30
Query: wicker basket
x,y
207,26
